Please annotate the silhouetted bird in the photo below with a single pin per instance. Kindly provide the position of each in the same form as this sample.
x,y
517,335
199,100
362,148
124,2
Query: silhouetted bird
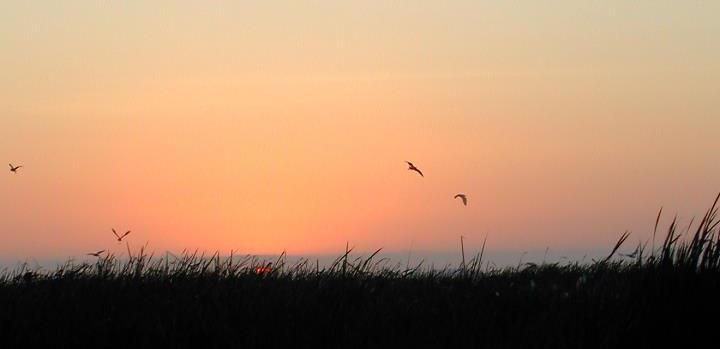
x,y
14,169
463,197
96,254
413,168
119,238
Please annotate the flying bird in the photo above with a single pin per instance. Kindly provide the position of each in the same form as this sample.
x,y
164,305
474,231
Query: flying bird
x,y
119,238
14,169
412,167
96,254
463,197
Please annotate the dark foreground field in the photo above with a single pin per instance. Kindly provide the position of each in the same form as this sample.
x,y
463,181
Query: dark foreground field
x,y
669,295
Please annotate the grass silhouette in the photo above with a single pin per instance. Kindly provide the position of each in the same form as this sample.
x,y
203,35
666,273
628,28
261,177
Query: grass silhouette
x,y
652,296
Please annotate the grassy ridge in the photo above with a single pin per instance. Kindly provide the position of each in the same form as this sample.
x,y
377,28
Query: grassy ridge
x,y
655,295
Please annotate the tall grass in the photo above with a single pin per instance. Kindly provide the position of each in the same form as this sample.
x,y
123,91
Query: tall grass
x,y
698,252
144,299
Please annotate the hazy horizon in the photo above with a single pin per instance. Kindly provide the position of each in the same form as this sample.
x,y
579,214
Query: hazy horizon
x,y
402,259
283,126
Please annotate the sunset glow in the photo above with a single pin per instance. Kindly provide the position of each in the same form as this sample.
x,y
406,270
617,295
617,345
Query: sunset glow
x,y
264,128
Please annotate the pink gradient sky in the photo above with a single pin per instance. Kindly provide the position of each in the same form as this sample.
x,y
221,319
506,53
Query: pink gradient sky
x,y
281,126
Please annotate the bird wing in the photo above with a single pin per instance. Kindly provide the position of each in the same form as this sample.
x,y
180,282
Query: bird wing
x,y
116,234
462,197
410,163
418,171
126,233
11,166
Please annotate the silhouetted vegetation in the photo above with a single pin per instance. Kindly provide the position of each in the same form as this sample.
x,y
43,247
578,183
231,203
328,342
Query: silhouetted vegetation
x,y
657,294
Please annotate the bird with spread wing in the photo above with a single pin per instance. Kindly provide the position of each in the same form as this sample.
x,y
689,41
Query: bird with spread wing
x,y
412,167
463,197
96,254
120,237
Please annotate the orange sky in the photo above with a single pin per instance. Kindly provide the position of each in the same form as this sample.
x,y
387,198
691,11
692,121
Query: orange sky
x,y
281,126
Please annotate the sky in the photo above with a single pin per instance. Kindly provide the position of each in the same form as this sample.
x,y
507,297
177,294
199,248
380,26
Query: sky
x,y
275,126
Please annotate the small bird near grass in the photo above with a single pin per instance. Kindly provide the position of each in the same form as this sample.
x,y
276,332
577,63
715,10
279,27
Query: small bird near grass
x,y
96,254
119,237
463,197
412,167
14,169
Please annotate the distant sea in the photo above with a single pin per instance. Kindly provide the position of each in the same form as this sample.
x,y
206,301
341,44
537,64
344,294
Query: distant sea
x,y
429,259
